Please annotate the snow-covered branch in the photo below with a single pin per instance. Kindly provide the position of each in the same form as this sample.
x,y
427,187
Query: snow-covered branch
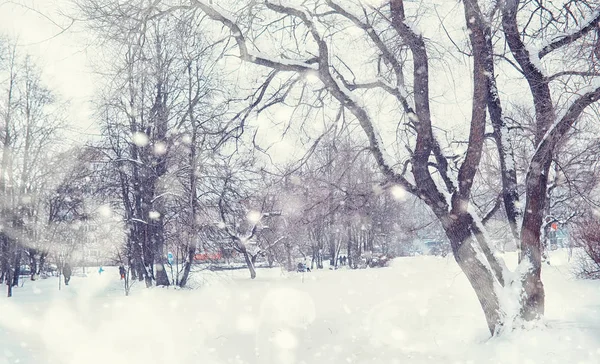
x,y
399,90
563,124
572,37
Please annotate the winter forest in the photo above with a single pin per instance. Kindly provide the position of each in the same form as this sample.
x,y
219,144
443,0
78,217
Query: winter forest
x,y
300,181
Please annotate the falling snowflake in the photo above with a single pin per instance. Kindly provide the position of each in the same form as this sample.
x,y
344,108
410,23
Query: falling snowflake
x,y
253,216
105,211
398,193
140,139
160,148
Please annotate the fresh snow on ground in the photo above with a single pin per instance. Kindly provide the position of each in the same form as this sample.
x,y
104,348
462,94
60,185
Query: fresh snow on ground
x,y
419,310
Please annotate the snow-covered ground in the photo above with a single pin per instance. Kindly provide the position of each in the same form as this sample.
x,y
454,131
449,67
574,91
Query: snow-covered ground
x,y
420,310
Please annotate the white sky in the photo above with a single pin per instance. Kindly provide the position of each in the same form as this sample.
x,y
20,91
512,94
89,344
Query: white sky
x,y
62,58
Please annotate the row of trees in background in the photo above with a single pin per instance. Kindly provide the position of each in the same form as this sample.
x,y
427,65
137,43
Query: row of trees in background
x,y
178,167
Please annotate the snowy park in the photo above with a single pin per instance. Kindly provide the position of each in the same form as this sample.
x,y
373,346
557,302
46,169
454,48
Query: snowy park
x,y
299,181
418,310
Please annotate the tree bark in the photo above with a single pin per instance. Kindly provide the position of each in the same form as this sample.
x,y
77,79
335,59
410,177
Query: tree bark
x,y
9,286
463,240
187,266
250,264
17,268
33,266
42,262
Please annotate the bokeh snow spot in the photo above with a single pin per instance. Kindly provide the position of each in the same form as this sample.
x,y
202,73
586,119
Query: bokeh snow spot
x,y
160,148
285,340
253,216
398,193
140,139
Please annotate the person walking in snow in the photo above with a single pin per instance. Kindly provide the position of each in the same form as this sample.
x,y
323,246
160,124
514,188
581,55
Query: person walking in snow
x,y
100,270
67,273
122,271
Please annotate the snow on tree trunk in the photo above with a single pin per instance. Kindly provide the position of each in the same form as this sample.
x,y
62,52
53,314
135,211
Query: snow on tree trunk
x,y
463,241
531,231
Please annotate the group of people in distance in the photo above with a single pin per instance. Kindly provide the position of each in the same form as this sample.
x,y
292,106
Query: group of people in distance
x,y
67,272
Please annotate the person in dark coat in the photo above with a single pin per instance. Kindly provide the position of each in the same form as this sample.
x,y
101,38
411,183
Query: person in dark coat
x,y
67,273
122,271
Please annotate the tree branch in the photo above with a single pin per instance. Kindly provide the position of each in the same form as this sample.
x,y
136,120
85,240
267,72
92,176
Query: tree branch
x,y
493,211
245,54
562,126
573,73
570,38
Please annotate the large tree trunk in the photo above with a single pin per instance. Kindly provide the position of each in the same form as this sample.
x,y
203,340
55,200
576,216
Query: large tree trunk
x,y
464,244
158,243
531,252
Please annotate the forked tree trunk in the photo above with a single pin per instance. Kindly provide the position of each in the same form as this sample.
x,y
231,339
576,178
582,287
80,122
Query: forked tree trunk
x,y
464,241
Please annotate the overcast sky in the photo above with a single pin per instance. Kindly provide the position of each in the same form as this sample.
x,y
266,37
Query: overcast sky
x,y
62,58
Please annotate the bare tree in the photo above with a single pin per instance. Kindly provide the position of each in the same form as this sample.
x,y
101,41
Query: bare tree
x,y
32,120
448,194
399,61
